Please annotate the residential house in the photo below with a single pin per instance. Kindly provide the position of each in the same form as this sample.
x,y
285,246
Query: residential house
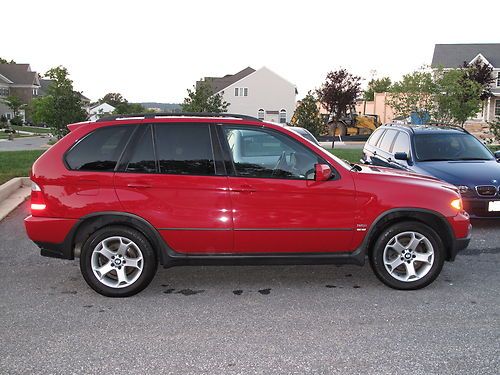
x,y
17,80
99,111
259,93
450,56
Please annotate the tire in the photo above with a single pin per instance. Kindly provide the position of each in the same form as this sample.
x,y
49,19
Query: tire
x,y
118,261
408,255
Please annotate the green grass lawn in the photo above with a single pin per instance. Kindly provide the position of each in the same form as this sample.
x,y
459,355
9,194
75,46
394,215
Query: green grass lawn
x,y
352,155
17,163
33,129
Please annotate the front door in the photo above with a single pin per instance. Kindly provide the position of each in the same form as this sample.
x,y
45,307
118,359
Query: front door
x,y
277,205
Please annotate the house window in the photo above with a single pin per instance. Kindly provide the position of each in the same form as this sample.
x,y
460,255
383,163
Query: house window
x,y
35,92
260,114
283,116
4,91
498,79
497,107
241,91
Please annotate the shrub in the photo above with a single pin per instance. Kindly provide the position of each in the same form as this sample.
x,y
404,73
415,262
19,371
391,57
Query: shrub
x,y
18,121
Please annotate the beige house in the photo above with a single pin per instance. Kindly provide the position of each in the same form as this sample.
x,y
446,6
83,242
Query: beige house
x,y
378,106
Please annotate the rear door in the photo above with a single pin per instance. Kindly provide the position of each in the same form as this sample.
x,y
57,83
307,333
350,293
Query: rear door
x,y
277,205
170,177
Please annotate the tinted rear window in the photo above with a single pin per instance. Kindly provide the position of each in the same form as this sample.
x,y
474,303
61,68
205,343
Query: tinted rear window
x,y
100,150
143,159
184,149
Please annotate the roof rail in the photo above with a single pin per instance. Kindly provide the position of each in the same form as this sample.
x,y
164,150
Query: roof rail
x,y
180,114
449,125
406,126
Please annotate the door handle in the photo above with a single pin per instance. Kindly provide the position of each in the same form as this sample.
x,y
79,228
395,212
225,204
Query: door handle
x,y
138,185
244,189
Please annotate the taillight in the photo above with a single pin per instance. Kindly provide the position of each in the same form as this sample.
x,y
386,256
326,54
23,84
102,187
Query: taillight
x,y
37,201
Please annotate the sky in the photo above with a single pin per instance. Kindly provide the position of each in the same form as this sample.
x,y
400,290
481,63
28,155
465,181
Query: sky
x,y
154,50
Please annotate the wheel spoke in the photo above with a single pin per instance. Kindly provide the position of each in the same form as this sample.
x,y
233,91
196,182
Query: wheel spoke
x,y
396,246
122,277
122,249
410,271
133,262
394,263
414,242
423,257
105,251
105,269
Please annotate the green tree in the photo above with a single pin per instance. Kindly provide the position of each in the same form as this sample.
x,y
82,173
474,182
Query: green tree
x,y
202,99
113,98
307,115
457,97
495,131
14,103
61,106
414,93
129,108
375,86
482,74
3,61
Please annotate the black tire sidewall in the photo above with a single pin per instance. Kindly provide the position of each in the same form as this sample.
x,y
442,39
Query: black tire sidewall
x,y
377,261
149,260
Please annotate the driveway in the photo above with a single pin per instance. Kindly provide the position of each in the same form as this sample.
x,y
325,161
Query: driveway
x,y
249,320
24,143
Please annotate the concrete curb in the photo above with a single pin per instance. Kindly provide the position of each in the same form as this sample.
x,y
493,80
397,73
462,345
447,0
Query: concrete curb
x,y
12,194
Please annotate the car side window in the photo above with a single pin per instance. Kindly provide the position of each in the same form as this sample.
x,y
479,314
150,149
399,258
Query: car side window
x,y
375,137
143,158
99,151
267,154
184,149
386,142
402,143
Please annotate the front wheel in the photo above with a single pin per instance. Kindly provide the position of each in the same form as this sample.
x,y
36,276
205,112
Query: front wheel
x,y
118,261
408,255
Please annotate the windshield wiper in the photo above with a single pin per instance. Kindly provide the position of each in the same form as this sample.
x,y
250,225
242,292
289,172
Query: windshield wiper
x,y
354,166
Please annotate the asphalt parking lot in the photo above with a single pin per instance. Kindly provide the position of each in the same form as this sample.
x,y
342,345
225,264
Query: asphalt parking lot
x,y
249,320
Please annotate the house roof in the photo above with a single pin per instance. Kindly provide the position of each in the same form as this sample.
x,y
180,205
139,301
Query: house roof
x,y
19,74
220,83
454,55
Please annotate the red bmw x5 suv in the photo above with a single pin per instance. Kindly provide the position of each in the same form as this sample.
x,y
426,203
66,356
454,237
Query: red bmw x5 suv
x,y
128,193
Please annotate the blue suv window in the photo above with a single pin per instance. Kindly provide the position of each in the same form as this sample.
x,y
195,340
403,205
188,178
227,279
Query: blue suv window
x,y
386,142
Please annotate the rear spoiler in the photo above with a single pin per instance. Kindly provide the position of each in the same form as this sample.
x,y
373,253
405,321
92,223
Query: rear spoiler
x,y
76,125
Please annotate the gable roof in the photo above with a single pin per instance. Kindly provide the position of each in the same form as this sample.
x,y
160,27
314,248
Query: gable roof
x,y
454,55
19,74
220,83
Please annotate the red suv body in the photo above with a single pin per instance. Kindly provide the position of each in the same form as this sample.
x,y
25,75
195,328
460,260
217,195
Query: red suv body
x,y
125,194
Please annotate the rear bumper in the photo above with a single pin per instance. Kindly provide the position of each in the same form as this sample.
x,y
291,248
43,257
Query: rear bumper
x,y
51,235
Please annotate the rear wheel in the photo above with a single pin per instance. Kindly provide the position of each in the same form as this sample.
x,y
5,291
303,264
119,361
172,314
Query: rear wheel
x,y
408,255
118,261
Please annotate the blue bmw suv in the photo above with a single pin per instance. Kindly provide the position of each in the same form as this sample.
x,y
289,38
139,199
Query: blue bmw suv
x,y
449,153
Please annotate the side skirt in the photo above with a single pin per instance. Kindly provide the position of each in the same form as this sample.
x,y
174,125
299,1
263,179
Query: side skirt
x,y
176,259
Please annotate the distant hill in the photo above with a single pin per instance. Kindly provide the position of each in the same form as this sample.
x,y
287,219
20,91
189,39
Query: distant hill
x,y
163,107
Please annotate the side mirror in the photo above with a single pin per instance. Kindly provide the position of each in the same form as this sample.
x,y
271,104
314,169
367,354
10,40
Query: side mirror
x,y
401,156
322,172
497,155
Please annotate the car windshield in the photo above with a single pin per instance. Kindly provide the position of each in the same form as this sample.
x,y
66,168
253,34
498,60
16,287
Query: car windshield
x,y
450,146
304,133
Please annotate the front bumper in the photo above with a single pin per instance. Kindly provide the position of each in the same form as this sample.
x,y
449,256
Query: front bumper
x,y
478,207
459,244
